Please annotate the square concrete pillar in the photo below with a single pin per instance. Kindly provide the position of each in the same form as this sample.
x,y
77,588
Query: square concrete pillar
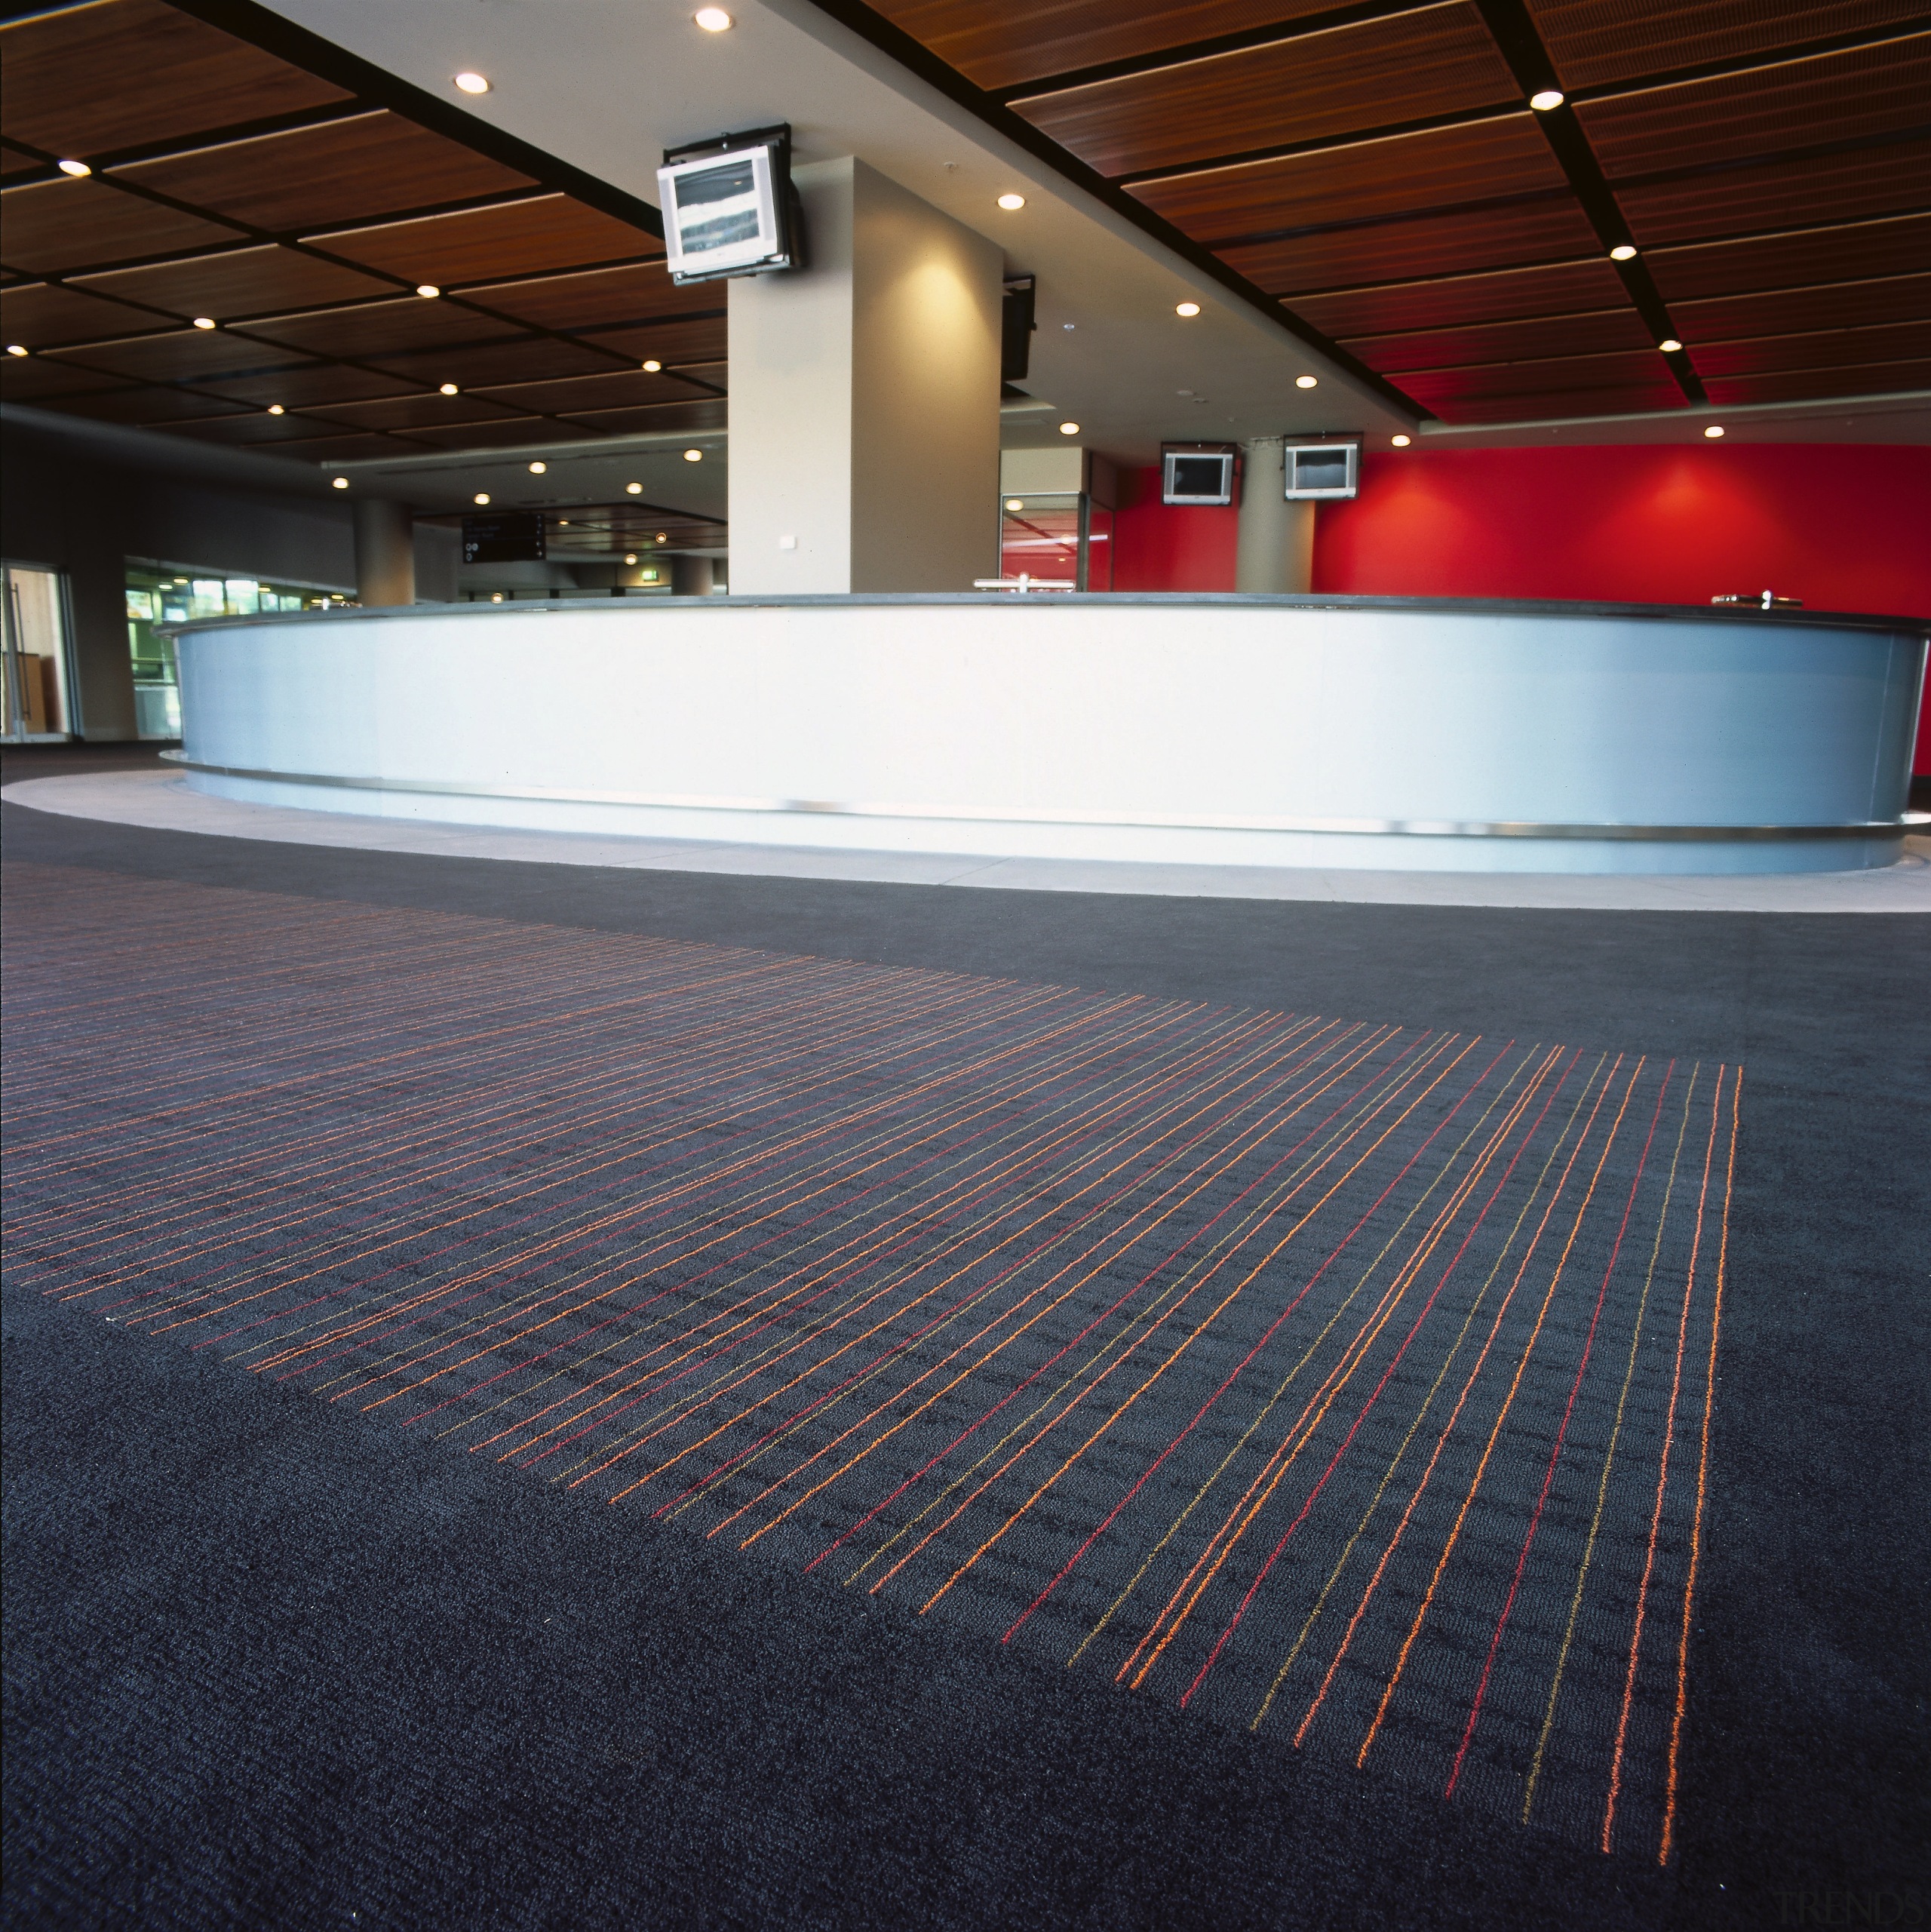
x,y
865,399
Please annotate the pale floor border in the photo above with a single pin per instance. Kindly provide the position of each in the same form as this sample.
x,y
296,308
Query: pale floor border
x,y
163,800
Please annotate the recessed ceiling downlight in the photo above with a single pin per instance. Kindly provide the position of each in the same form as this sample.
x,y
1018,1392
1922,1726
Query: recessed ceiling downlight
x,y
1306,381
1669,345
1623,251
481,496
1548,97
1011,201
1069,429
203,321
448,389
1713,430
713,20
18,348
693,456
1400,442
339,482
75,168
538,468
428,291
275,409
652,365
1187,309
634,489
1015,502
469,83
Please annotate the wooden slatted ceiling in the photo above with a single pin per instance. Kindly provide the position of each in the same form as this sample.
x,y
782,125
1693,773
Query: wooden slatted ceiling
x,y
996,44
119,74
301,217
1435,61
362,166
1597,42
1374,167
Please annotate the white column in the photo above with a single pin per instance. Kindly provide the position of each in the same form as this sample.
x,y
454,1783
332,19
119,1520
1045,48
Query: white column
x,y
865,399
1274,550
385,552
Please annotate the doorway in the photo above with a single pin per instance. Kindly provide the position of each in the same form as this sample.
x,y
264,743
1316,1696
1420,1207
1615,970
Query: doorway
x,y
33,634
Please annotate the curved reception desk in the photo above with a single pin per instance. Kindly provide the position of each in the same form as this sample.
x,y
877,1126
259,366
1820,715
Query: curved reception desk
x,y
1278,731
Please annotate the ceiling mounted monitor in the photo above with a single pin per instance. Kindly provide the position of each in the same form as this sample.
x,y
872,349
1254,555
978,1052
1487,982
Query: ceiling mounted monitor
x,y
1197,473
727,205
1322,470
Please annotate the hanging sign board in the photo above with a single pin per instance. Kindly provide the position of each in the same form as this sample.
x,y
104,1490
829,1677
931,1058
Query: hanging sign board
x,y
516,537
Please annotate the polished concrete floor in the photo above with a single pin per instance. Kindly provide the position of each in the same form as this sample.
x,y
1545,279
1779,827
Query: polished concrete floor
x,y
160,799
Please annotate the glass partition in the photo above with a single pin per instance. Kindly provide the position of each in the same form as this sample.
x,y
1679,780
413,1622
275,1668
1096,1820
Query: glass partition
x,y
159,593
1060,540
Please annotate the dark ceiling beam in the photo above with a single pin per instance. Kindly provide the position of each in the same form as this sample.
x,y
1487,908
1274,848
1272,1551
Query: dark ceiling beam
x,y
1514,33
893,41
273,34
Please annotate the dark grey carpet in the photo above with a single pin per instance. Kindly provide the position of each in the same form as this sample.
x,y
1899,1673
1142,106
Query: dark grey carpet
x,y
268,1666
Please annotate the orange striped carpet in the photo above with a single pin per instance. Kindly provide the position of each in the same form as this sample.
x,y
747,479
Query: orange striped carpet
x,y
1339,1381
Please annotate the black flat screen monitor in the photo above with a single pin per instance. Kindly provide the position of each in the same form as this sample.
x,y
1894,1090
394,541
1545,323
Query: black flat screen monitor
x,y
1319,470
1197,476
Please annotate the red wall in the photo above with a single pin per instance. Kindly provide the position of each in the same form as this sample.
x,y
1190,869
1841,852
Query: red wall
x,y
1157,548
1843,527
